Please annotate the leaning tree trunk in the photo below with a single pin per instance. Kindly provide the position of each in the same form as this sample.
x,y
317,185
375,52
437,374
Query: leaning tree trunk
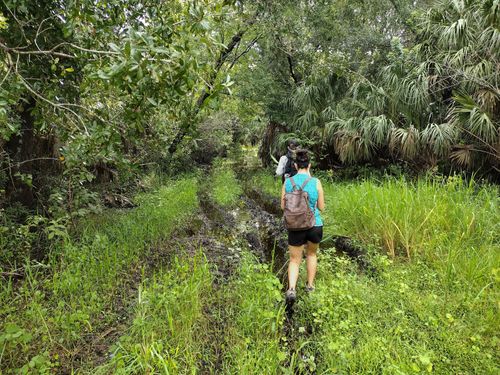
x,y
224,54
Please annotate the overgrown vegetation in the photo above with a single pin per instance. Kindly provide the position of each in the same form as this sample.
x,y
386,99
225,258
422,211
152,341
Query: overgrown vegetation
x,y
226,189
255,319
408,320
168,331
423,90
47,315
168,103
429,303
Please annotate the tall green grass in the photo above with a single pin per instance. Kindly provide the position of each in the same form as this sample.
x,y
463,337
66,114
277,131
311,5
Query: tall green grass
x,y
433,307
168,333
47,315
452,224
224,186
267,182
255,319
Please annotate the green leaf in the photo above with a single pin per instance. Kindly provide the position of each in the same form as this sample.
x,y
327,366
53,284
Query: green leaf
x,y
114,47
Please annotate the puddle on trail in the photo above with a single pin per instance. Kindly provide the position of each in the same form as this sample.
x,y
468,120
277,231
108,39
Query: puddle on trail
x,y
226,232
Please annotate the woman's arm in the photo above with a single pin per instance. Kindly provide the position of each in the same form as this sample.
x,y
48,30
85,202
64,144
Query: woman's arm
x,y
321,196
283,197
280,169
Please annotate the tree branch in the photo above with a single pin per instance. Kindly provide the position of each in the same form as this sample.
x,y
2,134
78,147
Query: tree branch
x,y
20,51
245,51
207,90
290,68
55,105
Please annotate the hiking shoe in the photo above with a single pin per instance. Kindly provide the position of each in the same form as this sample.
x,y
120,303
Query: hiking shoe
x,y
309,288
290,296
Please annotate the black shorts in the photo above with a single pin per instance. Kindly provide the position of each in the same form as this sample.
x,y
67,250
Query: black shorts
x,y
301,237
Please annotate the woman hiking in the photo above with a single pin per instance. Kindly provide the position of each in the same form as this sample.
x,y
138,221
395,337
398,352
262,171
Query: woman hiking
x,y
308,238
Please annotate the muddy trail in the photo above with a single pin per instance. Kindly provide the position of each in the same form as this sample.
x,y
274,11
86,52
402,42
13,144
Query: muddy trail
x,y
117,316
253,224
233,229
256,224
223,234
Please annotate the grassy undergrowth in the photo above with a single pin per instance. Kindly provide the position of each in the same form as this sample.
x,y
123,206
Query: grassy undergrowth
x,y
168,334
184,323
433,306
225,188
250,302
403,322
171,332
256,315
46,317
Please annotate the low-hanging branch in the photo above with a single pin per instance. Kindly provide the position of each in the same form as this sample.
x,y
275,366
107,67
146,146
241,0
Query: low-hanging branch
x,y
210,82
20,51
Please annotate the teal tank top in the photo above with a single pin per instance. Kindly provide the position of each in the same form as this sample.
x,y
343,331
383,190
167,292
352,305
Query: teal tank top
x,y
311,189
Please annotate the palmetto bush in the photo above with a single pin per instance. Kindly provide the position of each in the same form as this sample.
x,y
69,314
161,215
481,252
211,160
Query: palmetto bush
x,y
436,101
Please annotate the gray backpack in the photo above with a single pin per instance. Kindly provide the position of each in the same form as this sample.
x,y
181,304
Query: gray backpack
x,y
298,214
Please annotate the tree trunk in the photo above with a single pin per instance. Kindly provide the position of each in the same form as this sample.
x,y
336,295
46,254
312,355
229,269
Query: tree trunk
x,y
266,147
28,156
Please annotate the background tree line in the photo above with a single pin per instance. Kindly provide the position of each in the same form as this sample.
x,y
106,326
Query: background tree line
x,y
408,82
99,92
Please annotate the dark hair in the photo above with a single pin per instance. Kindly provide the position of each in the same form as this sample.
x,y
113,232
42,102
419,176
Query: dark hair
x,y
302,158
293,144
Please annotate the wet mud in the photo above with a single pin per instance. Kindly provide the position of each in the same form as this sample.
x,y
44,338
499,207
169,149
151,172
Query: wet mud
x,y
248,225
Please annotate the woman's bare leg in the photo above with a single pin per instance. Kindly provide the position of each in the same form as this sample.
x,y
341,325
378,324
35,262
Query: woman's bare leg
x,y
294,264
311,262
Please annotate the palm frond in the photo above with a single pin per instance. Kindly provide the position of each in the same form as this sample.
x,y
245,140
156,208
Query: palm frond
x,y
440,138
328,113
462,155
489,39
351,146
455,35
488,99
378,129
307,120
405,141
467,115
491,12
333,127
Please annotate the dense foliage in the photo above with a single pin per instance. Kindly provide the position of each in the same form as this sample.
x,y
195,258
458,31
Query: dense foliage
x,y
94,93
126,103
422,88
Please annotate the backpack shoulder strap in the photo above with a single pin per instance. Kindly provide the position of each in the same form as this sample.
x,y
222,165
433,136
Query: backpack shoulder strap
x,y
294,185
305,183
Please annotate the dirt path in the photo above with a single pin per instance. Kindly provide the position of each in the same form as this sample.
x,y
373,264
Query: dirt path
x,y
229,231
223,233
